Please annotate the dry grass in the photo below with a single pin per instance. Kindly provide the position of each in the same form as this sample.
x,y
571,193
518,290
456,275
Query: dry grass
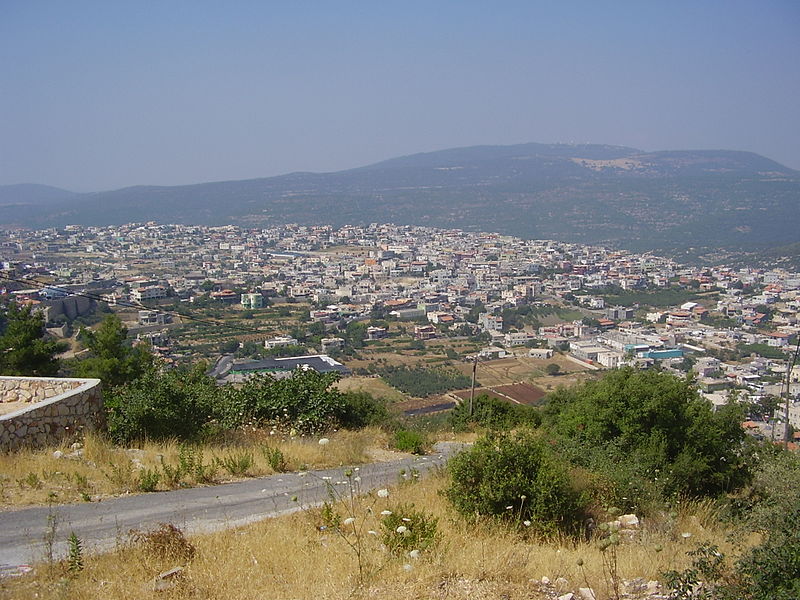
x,y
99,469
292,557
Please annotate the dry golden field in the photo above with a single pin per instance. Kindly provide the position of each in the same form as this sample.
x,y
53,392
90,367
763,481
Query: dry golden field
x,y
300,557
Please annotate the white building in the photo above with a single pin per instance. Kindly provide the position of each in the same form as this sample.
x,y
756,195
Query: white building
x,y
281,340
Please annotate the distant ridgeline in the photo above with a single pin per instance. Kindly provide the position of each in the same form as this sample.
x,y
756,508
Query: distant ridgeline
x,y
579,193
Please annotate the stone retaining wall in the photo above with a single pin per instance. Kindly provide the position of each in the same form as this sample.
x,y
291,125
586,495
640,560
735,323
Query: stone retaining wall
x,y
59,409
34,389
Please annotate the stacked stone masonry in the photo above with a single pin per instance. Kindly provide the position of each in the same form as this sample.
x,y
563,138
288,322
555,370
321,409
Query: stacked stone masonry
x,y
59,410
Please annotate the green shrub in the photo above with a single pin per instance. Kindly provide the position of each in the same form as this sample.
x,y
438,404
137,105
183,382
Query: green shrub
x,y
656,424
190,462
275,458
410,441
174,404
172,476
148,480
237,462
407,529
188,405
306,401
517,479
493,413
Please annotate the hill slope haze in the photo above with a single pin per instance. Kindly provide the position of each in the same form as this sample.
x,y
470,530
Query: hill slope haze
x,y
584,193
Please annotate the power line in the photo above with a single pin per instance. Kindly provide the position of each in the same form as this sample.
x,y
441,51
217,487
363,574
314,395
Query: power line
x,y
98,298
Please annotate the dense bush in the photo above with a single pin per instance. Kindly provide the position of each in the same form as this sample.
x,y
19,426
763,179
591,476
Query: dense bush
x,y
110,358
188,404
656,426
174,404
493,413
306,400
515,478
414,442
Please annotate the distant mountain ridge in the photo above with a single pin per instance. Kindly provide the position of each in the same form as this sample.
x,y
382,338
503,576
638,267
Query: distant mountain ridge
x,y
584,193
32,193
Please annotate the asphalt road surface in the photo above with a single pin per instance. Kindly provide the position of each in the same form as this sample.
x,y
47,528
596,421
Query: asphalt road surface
x,y
100,525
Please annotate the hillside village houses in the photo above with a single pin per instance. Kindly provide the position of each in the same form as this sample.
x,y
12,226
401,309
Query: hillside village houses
x,y
438,279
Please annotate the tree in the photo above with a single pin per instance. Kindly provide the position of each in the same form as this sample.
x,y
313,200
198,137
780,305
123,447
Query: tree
x,y
553,369
355,332
590,322
24,347
112,360
229,347
475,311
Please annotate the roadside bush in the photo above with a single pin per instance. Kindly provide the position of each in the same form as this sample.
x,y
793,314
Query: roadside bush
x,y
187,404
237,463
414,442
517,479
306,401
276,459
493,413
174,404
148,480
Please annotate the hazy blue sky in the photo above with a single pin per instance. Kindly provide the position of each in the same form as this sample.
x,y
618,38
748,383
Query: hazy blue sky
x,y
104,94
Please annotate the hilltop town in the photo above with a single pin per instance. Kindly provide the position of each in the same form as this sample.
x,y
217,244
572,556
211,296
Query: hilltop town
x,y
347,298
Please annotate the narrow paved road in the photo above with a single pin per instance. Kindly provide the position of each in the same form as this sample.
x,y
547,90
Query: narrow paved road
x,y
102,524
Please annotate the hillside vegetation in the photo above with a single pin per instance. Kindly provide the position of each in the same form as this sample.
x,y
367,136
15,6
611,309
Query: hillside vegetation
x,y
629,479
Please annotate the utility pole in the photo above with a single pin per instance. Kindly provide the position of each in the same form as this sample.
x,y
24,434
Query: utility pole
x,y
472,391
790,368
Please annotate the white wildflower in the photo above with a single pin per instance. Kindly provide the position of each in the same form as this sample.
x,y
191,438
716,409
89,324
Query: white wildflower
x,y
383,493
526,523
401,529
414,554
349,521
686,535
324,441
386,513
